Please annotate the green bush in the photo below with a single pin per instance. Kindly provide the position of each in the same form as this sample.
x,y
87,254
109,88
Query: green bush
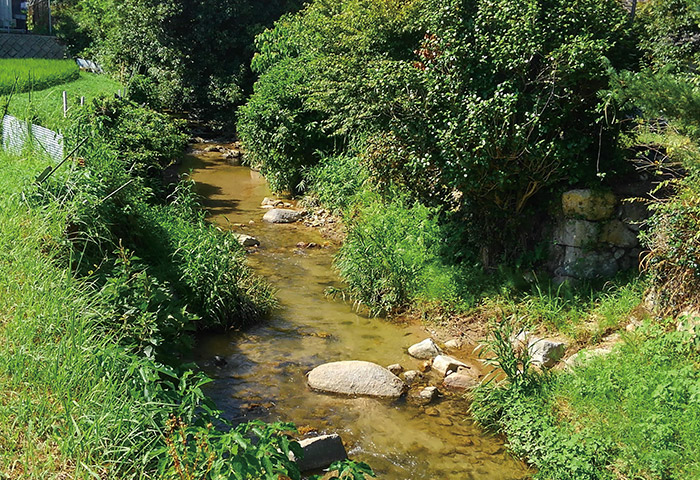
x,y
670,33
318,85
32,74
335,181
391,257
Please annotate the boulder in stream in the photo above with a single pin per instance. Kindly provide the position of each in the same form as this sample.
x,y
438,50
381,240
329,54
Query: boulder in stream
x,y
280,215
354,377
320,452
424,350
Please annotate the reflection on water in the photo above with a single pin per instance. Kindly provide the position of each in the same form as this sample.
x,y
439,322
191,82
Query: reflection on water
x,y
264,376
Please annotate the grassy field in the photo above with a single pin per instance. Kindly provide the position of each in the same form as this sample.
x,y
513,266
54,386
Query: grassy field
x,y
45,107
24,75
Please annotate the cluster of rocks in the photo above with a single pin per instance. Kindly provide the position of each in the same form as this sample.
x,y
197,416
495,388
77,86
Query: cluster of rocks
x,y
596,235
437,374
319,218
232,153
361,378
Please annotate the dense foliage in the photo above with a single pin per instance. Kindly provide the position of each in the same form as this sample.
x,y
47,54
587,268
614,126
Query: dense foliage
x,y
471,108
194,54
22,75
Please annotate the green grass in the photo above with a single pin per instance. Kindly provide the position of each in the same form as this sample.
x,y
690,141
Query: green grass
x,y
632,414
21,75
66,391
45,107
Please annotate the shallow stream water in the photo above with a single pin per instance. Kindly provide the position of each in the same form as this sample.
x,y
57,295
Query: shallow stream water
x,y
264,374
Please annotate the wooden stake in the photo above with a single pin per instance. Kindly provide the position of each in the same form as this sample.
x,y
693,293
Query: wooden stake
x,y
65,104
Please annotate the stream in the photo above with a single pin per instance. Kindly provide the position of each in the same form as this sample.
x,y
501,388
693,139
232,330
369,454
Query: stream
x,y
264,374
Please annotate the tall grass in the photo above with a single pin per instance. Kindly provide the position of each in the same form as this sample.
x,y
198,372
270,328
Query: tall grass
x,y
92,313
22,75
74,403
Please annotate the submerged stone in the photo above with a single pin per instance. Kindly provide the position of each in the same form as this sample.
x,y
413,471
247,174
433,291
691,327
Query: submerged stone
x,y
320,452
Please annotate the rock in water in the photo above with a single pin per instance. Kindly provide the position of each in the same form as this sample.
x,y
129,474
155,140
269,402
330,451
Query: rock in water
x,y
412,376
444,364
247,240
356,377
424,350
428,394
396,369
320,452
280,215
460,380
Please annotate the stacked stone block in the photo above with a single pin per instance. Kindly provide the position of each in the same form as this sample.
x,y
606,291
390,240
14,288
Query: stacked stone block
x,y
596,235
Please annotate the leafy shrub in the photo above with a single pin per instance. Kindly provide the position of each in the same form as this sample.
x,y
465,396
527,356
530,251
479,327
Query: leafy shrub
x,y
278,129
144,91
250,450
336,181
144,312
315,96
670,34
391,256
23,75
146,140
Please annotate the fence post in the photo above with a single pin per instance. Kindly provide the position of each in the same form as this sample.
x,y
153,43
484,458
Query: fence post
x,y
65,104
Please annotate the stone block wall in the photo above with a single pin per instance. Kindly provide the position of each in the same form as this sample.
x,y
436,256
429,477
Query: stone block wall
x,y
596,235
30,46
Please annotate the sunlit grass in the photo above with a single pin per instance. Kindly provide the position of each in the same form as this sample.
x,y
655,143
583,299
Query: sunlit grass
x,y
21,75
45,107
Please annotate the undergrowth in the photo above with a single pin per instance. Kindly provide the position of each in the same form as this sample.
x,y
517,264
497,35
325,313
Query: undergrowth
x,y
630,414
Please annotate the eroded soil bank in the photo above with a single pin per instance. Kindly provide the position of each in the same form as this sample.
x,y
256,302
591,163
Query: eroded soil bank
x,y
264,371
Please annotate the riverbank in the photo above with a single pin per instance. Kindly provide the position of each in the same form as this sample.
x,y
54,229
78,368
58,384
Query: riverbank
x,y
106,273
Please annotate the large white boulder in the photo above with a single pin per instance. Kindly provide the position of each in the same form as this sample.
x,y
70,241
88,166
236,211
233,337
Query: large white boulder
x,y
354,377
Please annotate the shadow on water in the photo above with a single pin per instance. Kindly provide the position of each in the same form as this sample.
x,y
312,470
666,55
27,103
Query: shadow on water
x,y
264,374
